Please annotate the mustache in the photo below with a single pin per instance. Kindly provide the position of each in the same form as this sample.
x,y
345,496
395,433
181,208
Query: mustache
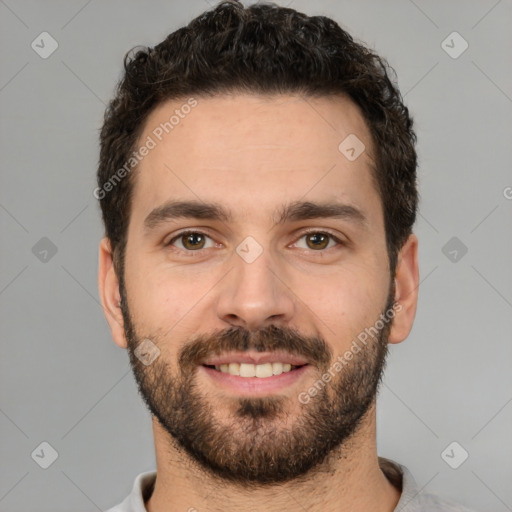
x,y
269,339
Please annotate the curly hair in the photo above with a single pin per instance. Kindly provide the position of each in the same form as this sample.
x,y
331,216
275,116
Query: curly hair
x,y
261,49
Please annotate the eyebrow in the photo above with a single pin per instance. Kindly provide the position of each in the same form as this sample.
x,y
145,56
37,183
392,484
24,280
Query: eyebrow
x,y
293,212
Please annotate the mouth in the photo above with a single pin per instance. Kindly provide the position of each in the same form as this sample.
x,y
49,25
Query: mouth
x,y
260,371
254,374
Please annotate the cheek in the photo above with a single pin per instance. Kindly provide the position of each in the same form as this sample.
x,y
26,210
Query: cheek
x,y
345,304
153,303
171,305
160,307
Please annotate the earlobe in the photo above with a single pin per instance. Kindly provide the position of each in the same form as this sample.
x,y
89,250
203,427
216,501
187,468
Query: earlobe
x,y
108,284
406,290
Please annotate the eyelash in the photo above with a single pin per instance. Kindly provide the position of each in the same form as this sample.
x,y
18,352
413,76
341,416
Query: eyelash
x,y
196,232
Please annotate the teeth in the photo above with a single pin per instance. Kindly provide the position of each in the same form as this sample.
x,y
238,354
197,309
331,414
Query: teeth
x,y
263,370
247,370
254,370
277,368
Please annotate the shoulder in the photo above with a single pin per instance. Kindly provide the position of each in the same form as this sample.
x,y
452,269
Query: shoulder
x,y
432,503
118,508
412,498
135,501
125,506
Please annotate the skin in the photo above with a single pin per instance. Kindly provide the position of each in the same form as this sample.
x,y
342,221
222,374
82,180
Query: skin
x,y
254,154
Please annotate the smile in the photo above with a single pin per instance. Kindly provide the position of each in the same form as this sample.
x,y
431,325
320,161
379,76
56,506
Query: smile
x,y
254,380
261,371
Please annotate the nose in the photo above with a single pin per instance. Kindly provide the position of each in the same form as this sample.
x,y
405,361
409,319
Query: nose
x,y
256,294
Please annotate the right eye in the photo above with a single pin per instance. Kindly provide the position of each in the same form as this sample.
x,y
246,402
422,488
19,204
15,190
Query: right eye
x,y
190,241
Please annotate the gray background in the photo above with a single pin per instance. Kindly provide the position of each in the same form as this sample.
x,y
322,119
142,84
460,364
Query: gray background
x,y
64,381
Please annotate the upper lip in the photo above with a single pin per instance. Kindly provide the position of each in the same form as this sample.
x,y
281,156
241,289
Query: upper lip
x,y
254,358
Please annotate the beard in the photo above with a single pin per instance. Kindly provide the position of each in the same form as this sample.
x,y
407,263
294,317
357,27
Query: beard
x,y
260,443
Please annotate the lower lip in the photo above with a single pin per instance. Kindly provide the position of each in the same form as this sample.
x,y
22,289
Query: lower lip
x,y
254,385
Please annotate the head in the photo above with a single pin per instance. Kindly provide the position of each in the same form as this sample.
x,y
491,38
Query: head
x,y
284,150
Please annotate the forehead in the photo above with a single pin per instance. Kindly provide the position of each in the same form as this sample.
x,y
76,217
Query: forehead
x,y
252,150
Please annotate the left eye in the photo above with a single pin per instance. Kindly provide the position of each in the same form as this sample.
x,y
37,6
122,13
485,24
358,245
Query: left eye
x,y
319,240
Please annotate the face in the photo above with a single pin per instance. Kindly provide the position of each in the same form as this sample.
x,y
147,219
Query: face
x,y
255,260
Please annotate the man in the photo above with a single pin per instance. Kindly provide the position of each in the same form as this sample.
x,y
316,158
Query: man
x,y
257,180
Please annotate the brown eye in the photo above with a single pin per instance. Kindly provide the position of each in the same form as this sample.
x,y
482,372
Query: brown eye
x,y
317,240
190,241
193,241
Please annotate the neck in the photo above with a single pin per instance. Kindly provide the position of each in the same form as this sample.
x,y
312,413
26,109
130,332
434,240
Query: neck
x,y
351,480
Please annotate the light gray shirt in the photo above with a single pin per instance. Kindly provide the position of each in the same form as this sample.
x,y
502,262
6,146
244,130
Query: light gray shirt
x,y
412,498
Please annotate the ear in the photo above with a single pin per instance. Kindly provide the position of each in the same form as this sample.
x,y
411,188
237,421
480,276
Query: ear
x,y
108,285
406,290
